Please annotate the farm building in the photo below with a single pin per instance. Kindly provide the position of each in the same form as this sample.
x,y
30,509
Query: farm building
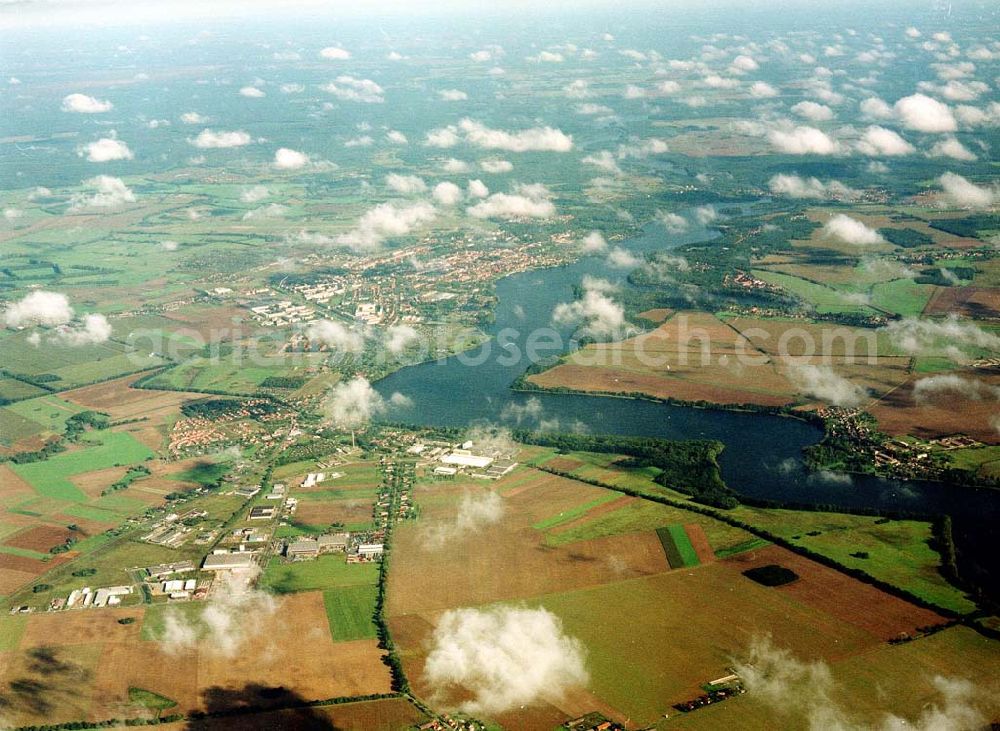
x,y
228,561
333,542
166,569
370,550
247,491
302,548
262,512
465,458
111,595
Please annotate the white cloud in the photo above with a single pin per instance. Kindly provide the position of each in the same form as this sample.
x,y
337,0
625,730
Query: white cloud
x,y
233,614
881,142
924,114
333,53
210,139
950,147
475,512
335,336
92,329
939,337
851,231
591,109
254,194
271,210
547,57
252,92
352,404
447,194
803,141
823,383
527,202
950,388
405,184
594,243
641,149
964,194
287,159
453,95
714,81
794,186
603,160
106,149
912,32
83,104
503,657
528,140
399,337
291,88
496,167
110,192
762,90
673,222
396,137
745,63
451,165
813,111
706,215
193,118
599,315
352,89
478,189
578,89
875,108
444,137
383,221
362,141
39,308
619,258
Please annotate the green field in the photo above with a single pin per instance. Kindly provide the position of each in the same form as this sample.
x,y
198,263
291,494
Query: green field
x,y
677,546
575,512
11,628
150,700
902,296
13,390
50,477
824,298
351,610
44,415
326,572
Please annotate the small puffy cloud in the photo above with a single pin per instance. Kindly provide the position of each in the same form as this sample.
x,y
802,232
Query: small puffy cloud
x,y
352,89
619,258
475,512
91,330
823,383
271,210
744,63
481,56
714,81
641,149
912,32
106,149
352,404
287,159
950,147
578,89
496,167
503,658
881,142
193,118
851,231
535,139
396,137
334,53
39,308
443,137
603,160
594,243
83,104
945,337
591,109
547,57
762,90
673,222
335,336
949,388
291,88
252,92
383,221
255,194
447,194
803,141
110,192
477,189
962,193
794,186
399,337
875,108
210,139
362,141
405,184
813,111
598,314
925,114
452,165
706,215
452,95
527,202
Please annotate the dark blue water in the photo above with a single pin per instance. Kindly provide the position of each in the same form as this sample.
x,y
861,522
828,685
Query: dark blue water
x,y
762,456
